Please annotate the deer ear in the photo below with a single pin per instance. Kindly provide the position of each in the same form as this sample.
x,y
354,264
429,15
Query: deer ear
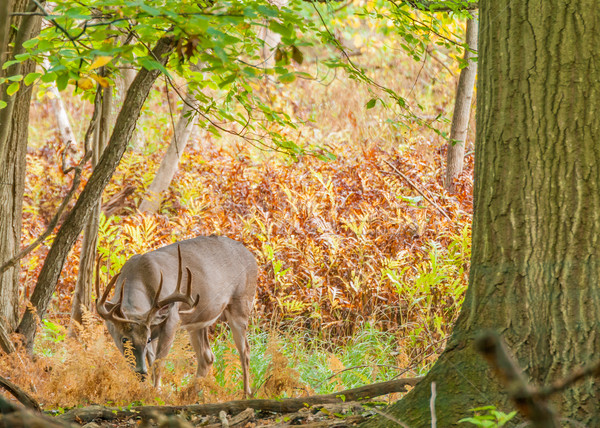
x,y
161,315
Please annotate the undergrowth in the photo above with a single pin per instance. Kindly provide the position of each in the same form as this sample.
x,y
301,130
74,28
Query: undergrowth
x,y
90,370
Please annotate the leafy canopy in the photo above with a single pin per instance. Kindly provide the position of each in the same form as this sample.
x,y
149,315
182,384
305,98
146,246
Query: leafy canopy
x,y
217,51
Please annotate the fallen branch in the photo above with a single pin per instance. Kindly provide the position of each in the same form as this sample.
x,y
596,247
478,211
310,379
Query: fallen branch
x,y
288,405
23,397
15,416
347,421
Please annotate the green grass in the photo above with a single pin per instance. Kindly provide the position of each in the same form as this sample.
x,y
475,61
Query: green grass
x,y
368,356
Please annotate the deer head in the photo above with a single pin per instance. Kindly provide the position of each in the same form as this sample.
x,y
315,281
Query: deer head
x,y
136,332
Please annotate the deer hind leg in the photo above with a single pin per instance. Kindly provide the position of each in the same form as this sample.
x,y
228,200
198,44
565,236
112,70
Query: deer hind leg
x,y
237,317
204,354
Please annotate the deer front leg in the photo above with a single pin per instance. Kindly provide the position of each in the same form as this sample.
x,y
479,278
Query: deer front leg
x,y
162,340
204,354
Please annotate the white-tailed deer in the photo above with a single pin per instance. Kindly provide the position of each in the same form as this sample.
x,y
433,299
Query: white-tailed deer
x,y
148,304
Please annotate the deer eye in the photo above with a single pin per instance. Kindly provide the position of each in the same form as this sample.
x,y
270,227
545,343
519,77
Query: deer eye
x,y
149,339
124,340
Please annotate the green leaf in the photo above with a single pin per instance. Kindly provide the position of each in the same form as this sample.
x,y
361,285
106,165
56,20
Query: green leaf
x,y
287,78
31,77
14,87
62,81
30,43
229,79
23,57
9,63
15,78
267,11
48,77
371,103
2,104
276,27
149,10
151,64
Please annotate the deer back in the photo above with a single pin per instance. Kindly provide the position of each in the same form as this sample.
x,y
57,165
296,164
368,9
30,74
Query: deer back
x,y
222,270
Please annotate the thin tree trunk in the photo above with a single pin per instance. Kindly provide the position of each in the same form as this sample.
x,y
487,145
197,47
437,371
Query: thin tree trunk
x,y
14,120
168,165
535,263
462,109
65,130
82,296
71,228
136,140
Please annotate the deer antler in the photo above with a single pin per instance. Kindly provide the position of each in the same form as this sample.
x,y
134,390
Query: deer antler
x,y
177,295
108,313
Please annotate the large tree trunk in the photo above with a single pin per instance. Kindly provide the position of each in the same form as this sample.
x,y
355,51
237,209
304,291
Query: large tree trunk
x,y
535,262
5,11
168,164
462,109
67,234
14,120
82,296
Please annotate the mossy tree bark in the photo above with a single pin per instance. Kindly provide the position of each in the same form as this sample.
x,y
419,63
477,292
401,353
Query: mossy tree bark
x,y
535,260
14,122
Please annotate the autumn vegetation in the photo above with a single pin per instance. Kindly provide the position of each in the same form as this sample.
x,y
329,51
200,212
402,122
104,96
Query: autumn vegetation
x,y
361,276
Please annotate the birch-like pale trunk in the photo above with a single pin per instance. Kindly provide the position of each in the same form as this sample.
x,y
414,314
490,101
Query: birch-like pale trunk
x,y
462,109
170,161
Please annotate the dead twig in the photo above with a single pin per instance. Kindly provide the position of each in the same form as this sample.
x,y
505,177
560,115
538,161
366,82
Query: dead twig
x,y
562,384
414,186
526,397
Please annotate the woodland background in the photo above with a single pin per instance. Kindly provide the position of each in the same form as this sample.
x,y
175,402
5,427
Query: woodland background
x,y
361,277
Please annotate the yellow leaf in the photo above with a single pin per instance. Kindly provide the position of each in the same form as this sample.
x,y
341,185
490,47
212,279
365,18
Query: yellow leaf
x,y
100,61
85,83
358,40
101,80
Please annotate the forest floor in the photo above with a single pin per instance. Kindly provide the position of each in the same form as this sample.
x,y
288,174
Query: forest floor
x,y
361,277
